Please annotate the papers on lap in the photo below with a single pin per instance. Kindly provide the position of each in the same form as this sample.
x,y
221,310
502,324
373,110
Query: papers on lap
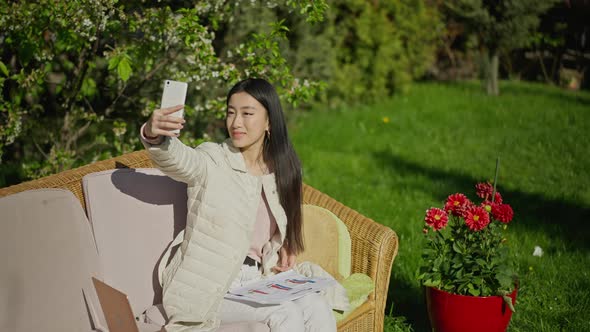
x,y
282,287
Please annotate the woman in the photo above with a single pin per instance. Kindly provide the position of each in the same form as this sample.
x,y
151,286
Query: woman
x,y
244,219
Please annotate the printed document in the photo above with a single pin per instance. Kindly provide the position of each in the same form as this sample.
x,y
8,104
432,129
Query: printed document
x,y
282,287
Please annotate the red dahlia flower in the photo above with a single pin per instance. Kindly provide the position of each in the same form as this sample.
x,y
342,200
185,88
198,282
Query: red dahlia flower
x,y
484,190
477,218
456,204
487,205
497,198
436,218
468,205
502,212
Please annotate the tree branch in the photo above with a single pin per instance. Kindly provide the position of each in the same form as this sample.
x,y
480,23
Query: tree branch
x,y
81,71
77,135
109,109
40,150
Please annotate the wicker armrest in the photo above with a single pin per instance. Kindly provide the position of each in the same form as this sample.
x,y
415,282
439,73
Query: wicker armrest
x,y
374,246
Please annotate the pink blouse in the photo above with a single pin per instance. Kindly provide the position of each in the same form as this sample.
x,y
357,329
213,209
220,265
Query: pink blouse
x,y
264,228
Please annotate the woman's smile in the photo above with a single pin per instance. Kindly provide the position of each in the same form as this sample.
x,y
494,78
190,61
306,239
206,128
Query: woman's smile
x,y
235,134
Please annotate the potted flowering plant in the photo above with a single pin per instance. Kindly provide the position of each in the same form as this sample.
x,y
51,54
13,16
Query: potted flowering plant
x,y
468,277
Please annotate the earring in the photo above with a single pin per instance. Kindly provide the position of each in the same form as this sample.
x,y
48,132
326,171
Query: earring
x,y
267,134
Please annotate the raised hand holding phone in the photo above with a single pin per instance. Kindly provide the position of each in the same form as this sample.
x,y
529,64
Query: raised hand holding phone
x,y
168,120
163,122
174,93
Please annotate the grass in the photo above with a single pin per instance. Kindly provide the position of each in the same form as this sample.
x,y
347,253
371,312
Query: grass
x,y
443,138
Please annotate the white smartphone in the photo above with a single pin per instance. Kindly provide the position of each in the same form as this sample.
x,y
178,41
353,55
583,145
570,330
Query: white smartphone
x,y
174,93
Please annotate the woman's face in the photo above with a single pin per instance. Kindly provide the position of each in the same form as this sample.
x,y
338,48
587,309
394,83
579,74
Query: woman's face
x,y
246,121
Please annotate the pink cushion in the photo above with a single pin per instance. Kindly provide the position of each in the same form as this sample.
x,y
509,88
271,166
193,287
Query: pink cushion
x,y
135,214
47,261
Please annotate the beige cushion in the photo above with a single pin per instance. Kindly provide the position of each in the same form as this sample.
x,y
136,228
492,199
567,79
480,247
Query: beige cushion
x,y
327,241
47,261
135,214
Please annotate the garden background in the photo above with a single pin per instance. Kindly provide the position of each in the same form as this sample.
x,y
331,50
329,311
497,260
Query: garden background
x,y
392,105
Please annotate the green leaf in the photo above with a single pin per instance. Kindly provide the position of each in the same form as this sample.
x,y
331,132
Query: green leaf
x,y
114,62
508,302
88,87
431,283
473,291
456,248
124,69
480,262
26,51
504,280
3,69
459,273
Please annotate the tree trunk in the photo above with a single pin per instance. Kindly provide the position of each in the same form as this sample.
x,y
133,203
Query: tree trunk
x,y
491,63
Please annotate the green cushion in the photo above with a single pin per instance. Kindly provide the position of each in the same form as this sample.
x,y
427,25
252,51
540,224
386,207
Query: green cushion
x,y
358,287
327,241
319,227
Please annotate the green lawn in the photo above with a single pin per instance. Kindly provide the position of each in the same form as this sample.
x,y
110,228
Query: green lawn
x,y
442,139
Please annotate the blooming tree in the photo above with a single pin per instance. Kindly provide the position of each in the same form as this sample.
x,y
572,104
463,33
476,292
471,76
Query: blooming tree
x,y
78,77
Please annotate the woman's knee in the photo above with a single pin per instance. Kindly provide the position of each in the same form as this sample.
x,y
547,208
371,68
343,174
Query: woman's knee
x,y
315,304
287,317
317,313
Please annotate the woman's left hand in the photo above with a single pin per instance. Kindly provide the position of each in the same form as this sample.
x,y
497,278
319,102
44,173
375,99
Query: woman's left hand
x,y
286,261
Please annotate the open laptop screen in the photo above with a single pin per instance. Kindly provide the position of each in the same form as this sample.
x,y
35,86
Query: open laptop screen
x,y
116,308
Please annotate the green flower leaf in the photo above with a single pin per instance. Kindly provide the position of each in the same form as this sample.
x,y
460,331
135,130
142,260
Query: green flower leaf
x,y
456,248
431,283
474,291
508,302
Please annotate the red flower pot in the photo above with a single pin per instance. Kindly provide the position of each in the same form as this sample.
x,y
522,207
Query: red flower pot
x,y
457,313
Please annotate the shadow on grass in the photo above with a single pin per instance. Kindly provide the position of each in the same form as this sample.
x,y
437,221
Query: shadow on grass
x,y
559,219
409,302
530,91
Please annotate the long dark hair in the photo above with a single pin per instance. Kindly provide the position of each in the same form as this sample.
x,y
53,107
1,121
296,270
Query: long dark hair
x,y
279,155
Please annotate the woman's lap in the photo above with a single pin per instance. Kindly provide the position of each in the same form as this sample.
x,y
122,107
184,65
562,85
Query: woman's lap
x,y
309,313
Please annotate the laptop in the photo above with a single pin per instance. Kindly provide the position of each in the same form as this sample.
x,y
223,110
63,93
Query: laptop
x,y
116,308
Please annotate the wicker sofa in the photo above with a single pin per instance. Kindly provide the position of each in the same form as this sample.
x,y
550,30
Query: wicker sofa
x,y
374,246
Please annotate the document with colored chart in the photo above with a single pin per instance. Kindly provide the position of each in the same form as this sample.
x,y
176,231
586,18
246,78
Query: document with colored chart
x,y
282,287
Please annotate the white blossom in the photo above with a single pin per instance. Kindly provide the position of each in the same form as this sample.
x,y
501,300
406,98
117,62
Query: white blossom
x,y
86,22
